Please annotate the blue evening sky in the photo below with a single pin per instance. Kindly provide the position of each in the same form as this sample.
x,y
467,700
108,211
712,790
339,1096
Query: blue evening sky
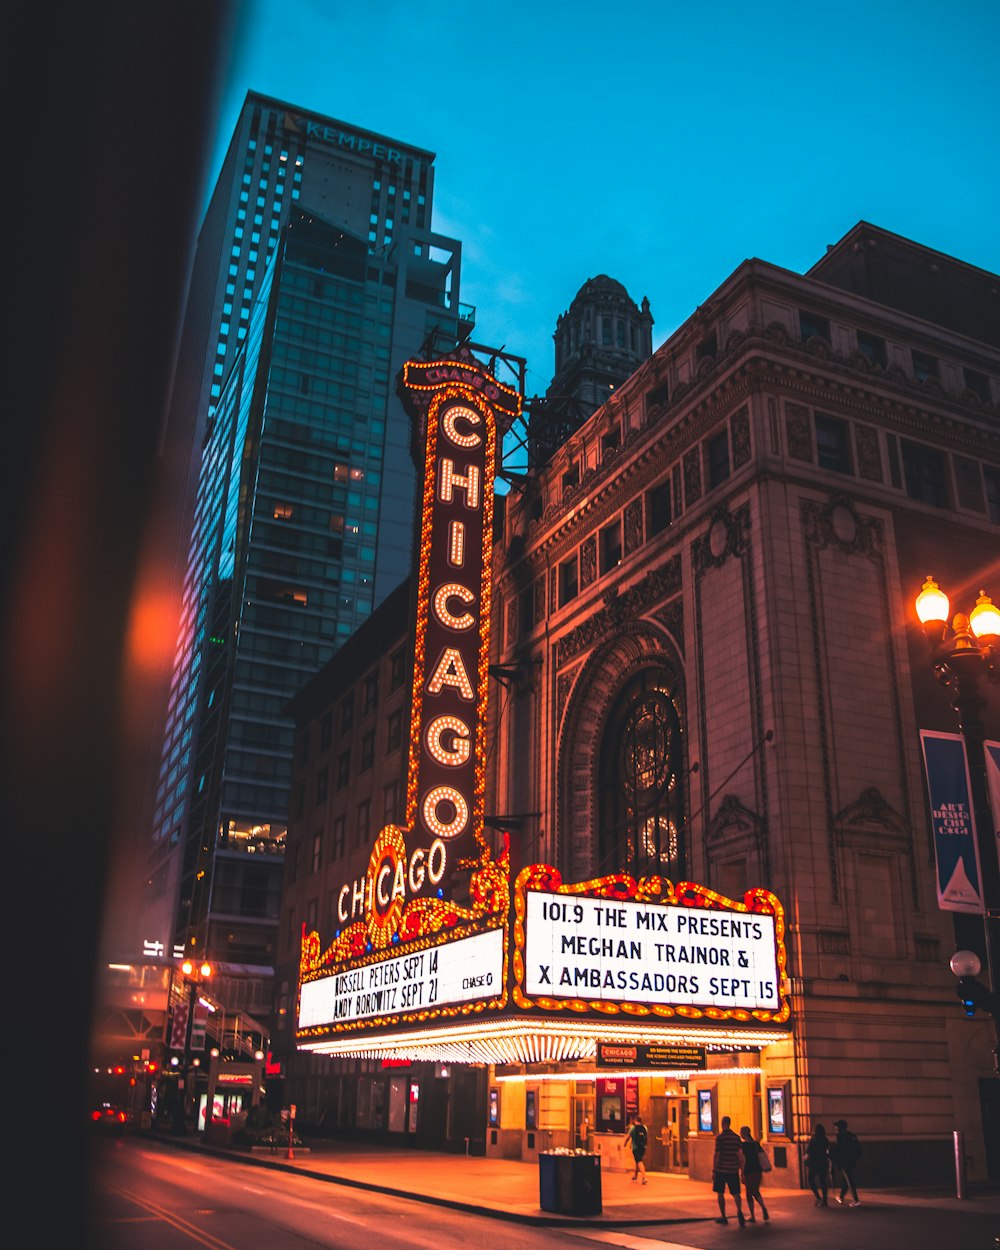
x,y
660,143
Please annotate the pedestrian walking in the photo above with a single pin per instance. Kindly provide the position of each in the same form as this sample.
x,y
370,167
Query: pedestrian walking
x,y
726,1171
845,1153
818,1164
753,1172
636,1138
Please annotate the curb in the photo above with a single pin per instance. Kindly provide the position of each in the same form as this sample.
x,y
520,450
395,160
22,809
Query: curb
x,y
469,1208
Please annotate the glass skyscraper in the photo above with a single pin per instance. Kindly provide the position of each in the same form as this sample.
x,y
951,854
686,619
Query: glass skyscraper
x,y
326,279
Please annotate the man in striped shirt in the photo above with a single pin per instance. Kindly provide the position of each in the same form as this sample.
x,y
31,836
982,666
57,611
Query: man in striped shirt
x,y
726,1171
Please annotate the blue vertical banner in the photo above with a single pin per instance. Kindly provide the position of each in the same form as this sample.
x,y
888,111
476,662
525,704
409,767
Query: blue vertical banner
x,y
959,884
993,786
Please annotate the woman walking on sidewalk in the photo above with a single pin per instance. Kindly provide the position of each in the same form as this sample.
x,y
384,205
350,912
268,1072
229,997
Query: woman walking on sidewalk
x,y
818,1164
752,1173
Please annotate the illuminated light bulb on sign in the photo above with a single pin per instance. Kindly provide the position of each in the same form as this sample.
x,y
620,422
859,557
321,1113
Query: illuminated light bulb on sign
x,y
456,544
450,481
433,800
453,590
460,750
459,413
450,671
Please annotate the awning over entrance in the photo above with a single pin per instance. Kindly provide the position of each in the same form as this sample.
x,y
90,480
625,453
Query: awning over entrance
x,y
517,1039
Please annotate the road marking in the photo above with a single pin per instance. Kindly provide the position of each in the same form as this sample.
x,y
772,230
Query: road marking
x,y
168,1217
630,1243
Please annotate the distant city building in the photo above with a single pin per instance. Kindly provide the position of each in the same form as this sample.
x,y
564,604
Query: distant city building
x,y
600,341
707,669
316,276
279,155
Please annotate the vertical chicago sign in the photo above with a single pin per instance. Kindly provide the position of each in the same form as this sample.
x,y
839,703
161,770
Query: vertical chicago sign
x,y
424,931
457,404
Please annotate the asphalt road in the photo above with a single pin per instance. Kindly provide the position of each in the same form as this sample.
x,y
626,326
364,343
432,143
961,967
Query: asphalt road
x,y
147,1196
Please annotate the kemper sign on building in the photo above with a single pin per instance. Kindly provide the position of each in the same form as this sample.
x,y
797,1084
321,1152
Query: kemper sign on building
x,y
439,953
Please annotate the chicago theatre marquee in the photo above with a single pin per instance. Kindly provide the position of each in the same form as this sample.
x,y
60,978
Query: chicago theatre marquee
x,y
585,1000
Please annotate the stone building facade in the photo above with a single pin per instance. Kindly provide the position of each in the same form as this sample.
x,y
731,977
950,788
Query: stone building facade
x,y
704,601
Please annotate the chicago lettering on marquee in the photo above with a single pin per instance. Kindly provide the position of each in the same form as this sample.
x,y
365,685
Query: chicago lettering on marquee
x,y
403,900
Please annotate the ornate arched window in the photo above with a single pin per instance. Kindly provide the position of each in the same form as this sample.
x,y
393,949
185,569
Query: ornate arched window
x,y
640,780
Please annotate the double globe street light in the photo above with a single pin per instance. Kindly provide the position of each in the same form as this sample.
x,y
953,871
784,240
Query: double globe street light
x,y
962,660
194,974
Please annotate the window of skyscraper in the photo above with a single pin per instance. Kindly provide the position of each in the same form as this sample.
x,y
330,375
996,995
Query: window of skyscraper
x,y
991,478
717,449
977,383
924,366
924,473
707,347
610,546
363,824
811,325
397,669
569,583
658,508
873,347
371,692
337,839
833,444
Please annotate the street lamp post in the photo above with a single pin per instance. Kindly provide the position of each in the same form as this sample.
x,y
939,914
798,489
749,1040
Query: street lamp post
x,y
961,661
193,976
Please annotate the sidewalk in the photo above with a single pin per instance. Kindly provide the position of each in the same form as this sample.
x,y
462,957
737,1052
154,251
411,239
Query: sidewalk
x,y
507,1189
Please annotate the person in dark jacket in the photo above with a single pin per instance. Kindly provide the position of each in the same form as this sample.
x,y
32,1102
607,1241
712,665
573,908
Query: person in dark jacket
x,y
726,1171
752,1173
818,1164
845,1153
636,1139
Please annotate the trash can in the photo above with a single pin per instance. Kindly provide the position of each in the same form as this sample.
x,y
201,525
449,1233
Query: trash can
x,y
569,1182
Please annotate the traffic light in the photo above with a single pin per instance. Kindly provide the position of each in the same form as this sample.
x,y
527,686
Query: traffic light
x,y
975,996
